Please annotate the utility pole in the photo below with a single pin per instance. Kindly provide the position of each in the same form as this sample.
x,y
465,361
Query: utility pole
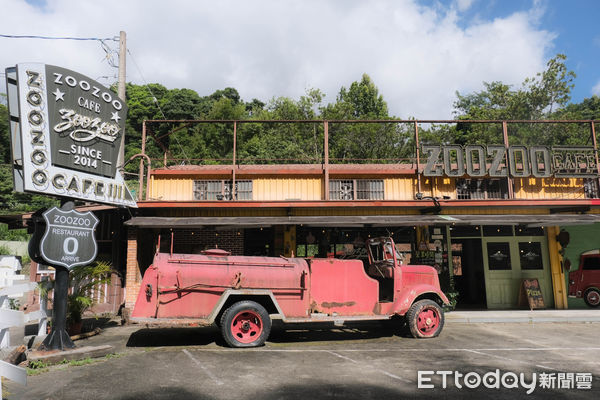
x,y
121,89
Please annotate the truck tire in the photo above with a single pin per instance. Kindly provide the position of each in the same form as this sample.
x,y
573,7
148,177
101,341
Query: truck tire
x,y
425,318
245,324
592,297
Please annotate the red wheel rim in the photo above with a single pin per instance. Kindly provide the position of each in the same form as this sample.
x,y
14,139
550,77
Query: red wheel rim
x,y
246,326
428,321
593,297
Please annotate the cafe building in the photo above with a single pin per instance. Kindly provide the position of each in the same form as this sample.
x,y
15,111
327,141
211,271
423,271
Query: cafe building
x,y
486,217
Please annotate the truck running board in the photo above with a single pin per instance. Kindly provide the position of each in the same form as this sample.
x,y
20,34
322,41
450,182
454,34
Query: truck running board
x,y
169,322
337,319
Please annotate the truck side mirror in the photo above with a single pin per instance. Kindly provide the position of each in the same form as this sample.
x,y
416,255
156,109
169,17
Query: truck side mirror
x,y
567,265
563,238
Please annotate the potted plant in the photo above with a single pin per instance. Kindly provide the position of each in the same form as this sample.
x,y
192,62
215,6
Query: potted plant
x,y
82,280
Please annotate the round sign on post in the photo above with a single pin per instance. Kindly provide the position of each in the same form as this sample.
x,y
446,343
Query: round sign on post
x,y
69,238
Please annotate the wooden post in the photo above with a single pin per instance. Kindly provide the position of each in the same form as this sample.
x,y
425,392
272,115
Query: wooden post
x,y
418,157
326,160
121,88
511,194
43,322
233,189
595,153
141,175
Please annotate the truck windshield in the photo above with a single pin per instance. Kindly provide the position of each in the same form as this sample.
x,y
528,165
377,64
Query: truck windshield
x,y
381,250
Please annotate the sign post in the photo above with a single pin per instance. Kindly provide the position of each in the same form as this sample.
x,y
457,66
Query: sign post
x,y
66,130
68,241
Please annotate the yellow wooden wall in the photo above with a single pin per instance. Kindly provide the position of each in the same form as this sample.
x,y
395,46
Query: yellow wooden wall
x,y
171,189
395,188
549,188
274,189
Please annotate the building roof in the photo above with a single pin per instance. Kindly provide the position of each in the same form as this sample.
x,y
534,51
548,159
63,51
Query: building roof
x,y
364,220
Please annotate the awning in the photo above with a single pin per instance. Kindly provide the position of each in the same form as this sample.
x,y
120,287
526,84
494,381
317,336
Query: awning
x,y
359,221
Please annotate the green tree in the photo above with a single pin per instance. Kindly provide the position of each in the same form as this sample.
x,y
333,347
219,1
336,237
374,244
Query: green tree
x,y
539,97
364,142
284,142
4,135
361,101
589,108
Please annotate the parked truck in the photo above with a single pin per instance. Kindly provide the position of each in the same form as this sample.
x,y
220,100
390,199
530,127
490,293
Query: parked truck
x,y
241,295
585,280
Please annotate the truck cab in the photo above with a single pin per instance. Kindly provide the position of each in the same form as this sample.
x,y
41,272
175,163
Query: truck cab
x,y
585,280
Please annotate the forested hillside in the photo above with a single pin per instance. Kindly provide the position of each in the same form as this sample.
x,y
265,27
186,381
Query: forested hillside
x,y
544,96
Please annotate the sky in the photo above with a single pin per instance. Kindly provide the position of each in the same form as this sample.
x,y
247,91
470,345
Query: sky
x,y
418,53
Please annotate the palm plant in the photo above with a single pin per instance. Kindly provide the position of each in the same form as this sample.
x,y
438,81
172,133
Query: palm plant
x,y
82,279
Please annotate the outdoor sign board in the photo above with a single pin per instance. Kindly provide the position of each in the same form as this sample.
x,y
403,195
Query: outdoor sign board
x,y
515,160
65,130
69,238
531,293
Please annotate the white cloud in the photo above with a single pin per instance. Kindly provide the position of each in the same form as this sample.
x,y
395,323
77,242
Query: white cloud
x,y
464,5
596,89
417,56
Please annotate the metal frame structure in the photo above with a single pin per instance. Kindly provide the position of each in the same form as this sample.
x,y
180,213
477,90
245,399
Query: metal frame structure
x,y
326,166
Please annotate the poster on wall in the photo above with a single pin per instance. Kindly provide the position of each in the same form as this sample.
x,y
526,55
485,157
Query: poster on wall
x,y
66,130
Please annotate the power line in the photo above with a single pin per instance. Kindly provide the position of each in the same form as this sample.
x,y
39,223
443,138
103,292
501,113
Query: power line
x,y
155,100
116,39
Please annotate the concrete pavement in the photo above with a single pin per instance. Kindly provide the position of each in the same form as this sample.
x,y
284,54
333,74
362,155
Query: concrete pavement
x,y
523,316
371,361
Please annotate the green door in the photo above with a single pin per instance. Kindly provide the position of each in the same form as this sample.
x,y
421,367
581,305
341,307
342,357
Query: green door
x,y
510,259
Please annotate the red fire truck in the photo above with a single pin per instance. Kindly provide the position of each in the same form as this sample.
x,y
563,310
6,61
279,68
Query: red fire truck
x,y
243,294
585,281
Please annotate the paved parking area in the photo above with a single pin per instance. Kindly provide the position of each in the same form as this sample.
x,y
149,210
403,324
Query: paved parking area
x,y
557,360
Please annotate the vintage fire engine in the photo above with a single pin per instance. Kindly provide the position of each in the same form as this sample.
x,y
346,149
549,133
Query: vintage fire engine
x,y
242,294
585,280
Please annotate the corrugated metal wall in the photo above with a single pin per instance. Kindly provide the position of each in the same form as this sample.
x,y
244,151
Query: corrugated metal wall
x,y
396,188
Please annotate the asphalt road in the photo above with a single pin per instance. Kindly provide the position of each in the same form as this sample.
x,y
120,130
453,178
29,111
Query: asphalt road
x,y
557,360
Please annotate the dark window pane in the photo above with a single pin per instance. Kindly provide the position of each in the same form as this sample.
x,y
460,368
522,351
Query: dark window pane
x,y
499,256
591,263
530,254
477,189
523,230
341,190
221,190
498,230
465,231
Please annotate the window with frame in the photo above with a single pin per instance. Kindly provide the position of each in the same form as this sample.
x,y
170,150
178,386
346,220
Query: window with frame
x,y
476,189
221,190
591,264
530,254
499,256
590,188
356,189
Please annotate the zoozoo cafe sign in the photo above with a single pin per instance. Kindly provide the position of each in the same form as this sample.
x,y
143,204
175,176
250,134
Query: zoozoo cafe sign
x,y
517,161
66,130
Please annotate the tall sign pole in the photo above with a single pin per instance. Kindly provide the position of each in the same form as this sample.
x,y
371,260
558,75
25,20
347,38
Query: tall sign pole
x,y
121,86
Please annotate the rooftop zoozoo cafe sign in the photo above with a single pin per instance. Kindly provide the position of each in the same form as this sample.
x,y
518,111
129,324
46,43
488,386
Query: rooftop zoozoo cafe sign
x,y
66,130
515,161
